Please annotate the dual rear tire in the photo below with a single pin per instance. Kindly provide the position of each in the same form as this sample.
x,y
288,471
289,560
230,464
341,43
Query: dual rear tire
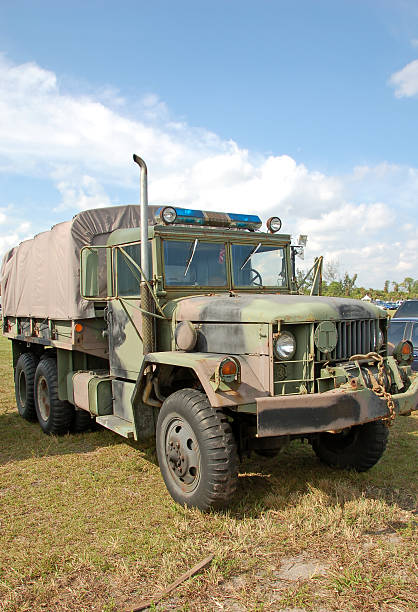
x,y
55,416
24,385
36,388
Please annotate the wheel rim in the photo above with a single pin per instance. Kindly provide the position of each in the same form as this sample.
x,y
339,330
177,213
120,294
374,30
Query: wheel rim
x,y
182,455
43,398
21,386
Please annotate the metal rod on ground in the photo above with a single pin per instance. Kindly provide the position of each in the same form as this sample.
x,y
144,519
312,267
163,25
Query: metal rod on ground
x,y
147,603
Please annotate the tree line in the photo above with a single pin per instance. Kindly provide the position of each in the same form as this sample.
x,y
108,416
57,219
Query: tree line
x,y
337,284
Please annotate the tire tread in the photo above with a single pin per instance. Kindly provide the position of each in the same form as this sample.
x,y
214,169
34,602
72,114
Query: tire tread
x,y
215,430
364,453
62,412
27,362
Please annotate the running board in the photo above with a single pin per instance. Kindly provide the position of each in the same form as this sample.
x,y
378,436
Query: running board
x,y
115,423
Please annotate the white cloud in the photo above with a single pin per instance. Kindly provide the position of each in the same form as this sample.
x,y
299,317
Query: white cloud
x,y
349,219
83,146
83,193
21,230
405,81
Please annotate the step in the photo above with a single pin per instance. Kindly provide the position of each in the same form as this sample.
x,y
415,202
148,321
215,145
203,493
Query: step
x,y
115,423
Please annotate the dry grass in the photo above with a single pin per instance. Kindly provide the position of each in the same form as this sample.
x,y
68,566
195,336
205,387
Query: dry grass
x,y
87,524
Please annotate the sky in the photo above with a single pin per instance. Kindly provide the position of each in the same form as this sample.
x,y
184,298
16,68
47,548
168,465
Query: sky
x,y
305,109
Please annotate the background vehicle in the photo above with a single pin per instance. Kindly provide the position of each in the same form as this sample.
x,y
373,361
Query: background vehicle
x,y
187,325
404,328
408,308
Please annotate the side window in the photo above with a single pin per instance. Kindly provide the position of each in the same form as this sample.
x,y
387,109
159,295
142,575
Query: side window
x,y
93,270
126,273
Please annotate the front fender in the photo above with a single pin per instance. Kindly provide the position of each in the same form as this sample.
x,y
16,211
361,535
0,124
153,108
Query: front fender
x,y
204,366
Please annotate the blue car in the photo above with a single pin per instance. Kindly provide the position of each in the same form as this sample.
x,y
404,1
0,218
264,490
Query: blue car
x,y
404,326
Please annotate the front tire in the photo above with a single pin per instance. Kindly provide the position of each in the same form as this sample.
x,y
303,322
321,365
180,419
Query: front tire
x,y
358,448
55,416
24,382
196,451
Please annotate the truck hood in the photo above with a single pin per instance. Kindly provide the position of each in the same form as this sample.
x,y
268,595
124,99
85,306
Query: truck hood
x,y
264,308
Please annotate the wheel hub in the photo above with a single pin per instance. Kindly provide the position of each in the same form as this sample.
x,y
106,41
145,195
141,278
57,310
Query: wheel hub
x,y
22,389
43,398
183,455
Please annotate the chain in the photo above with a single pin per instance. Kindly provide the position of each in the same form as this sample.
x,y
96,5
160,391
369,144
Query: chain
x,y
379,385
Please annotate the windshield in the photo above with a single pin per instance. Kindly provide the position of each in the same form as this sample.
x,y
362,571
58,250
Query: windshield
x,y
195,263
258,265
407,309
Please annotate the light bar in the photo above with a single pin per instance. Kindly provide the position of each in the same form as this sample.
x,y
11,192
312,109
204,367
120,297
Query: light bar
x,y
188,216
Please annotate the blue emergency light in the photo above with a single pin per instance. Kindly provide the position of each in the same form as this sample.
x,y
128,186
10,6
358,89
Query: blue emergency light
x,y
170,215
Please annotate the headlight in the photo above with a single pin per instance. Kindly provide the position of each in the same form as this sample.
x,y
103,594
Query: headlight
x,y
168,215
285,345
274,225
380,339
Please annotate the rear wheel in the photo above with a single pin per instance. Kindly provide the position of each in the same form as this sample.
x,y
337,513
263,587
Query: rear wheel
x,y
358,448
196,451
24,381
55,416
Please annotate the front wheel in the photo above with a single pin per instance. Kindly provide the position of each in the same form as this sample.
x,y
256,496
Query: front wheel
x,y
358,448
196,451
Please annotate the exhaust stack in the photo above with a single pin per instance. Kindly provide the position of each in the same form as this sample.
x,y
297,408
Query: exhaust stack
x,y
146,299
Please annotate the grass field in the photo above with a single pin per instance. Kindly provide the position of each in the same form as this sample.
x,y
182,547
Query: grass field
x,y
87,524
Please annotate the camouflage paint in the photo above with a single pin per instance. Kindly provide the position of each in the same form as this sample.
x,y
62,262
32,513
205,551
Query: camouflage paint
x,y
268,307
242,324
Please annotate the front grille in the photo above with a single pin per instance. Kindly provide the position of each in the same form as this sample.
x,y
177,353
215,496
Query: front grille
x,y
354,337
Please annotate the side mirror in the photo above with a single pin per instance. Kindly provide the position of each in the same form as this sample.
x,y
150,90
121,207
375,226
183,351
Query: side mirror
x,y
95,273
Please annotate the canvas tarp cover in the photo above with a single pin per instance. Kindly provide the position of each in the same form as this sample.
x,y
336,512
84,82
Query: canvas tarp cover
x,y
41,277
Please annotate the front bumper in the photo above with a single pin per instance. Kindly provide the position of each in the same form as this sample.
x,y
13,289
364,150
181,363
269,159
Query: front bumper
x,y
329,411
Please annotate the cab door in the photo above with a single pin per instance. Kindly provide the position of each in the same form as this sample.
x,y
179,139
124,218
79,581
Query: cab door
x,y
123,316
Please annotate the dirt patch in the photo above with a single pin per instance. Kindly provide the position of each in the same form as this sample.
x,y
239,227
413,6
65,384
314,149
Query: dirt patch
x,y
301,568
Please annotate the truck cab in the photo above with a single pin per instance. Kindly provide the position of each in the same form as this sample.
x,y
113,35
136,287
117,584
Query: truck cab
x,y
187,261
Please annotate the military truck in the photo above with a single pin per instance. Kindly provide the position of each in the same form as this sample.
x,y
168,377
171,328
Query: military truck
x,y
187,325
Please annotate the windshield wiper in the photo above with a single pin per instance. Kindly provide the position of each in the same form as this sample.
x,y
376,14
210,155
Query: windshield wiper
x,y
255,249
192,252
